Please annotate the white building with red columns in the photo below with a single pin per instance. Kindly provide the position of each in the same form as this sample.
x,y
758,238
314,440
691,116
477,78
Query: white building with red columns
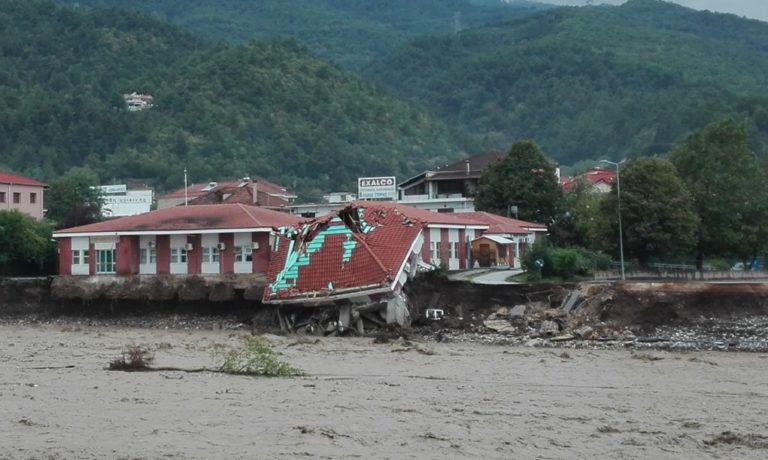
x,y
204,239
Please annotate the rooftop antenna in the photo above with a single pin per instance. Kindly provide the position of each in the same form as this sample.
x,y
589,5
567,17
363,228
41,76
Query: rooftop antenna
x,y
186,197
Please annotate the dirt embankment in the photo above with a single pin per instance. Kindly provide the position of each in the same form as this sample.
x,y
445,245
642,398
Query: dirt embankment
x,y
638,306
648,305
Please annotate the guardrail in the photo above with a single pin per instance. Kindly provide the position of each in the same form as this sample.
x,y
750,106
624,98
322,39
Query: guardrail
x,y
682,274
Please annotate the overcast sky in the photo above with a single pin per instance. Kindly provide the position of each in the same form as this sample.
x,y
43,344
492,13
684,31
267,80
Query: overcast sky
x,y
756,9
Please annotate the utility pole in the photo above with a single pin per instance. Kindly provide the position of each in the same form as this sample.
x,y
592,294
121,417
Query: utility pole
x,y
618,198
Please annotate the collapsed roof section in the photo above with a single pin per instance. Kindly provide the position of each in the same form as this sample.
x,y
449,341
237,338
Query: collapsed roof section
x,y
366,249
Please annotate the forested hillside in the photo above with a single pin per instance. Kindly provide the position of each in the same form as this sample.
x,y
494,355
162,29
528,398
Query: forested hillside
x,y
593,81
349,32
264,109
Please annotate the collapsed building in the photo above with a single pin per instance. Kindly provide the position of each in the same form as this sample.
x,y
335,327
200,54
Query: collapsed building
x,y
357,261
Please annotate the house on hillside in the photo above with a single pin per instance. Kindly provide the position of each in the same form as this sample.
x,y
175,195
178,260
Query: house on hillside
x,y
450,188
136,102
22,194
248,191
598,180
204,239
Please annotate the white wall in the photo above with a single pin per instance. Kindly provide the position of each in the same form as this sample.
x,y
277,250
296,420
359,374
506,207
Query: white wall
x,y
434,251
453,241
243,239
210,243
178,242
148,268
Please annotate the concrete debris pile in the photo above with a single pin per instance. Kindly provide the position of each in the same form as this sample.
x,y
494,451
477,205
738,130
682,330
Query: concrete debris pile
x,y
539,325
540,321
347,318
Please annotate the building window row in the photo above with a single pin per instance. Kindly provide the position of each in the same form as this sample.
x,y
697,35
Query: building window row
x,y
17,197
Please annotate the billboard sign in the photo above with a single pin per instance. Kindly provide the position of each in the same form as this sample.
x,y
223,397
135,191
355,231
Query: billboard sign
x,y
129,204
377,188
112,189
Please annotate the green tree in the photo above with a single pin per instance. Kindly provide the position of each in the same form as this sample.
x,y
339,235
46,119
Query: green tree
x,y
729,190
524,178
657,211
581,222
72,199
25,245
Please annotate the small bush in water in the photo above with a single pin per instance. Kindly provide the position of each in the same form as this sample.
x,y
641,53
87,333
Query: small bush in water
x,y
255,358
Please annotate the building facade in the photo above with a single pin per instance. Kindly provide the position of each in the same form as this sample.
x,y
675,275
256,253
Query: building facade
x,y
450,188
22,194
506,240
205,239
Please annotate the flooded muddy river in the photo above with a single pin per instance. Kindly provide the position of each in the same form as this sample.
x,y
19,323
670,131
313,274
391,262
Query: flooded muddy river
x,y
365,400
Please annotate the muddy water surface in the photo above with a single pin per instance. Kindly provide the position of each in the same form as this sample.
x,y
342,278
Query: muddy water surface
x,y
363,400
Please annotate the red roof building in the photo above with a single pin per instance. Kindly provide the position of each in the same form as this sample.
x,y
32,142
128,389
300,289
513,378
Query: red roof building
x,y
244,191
204,239
22,194
600,180
506,240
369,248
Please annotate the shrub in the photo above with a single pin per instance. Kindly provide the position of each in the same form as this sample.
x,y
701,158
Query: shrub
x,y
569,262
255,358
135,358
539,251
598,260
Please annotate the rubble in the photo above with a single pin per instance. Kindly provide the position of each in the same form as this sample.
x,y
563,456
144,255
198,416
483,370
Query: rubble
x,y
548,328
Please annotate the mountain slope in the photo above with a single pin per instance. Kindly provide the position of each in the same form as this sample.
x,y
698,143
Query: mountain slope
x,y
350,32
588,82
266,110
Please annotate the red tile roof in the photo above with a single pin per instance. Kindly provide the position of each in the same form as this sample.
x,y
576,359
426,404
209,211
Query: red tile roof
x,y
357,250
422,215
238,191
502,225
7,178
202,217
592,176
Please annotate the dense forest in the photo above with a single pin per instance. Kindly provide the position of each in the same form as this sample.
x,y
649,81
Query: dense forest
x,y
349,32
439,79
591,82
263,109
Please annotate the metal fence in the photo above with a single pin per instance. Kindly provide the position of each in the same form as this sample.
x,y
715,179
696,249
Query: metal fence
x,y
671,273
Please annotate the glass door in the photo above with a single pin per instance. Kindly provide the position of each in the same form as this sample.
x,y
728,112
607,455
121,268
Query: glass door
x,y
105,261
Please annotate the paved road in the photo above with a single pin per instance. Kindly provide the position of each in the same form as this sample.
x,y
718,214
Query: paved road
x,y
497,277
